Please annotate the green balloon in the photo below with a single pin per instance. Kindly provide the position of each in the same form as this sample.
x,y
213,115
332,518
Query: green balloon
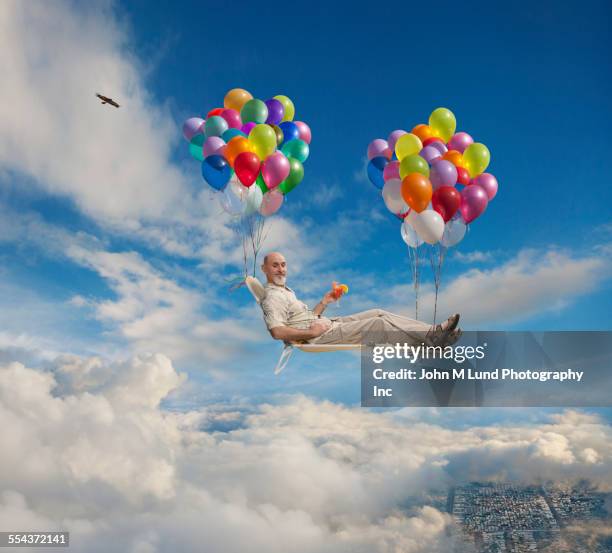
x,y
413,164
254,111
195,146
297,149
296,174
262,185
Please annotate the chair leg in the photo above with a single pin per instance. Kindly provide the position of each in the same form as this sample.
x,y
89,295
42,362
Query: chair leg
x,y
284,358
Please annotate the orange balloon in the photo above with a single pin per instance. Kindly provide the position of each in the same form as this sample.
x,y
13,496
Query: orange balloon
x,y
417,191
424,132
236,98
455,157
235,147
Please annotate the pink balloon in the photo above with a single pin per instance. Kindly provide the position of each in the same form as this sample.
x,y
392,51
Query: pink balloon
x,y
460,141
304,130
488,182
246,128
233,118
443,173
213,145
391,171
378,148
275,169
474,201
192,126
271,202
392,139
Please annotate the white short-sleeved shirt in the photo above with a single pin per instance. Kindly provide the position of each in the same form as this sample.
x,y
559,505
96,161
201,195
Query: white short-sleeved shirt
x,y
282,308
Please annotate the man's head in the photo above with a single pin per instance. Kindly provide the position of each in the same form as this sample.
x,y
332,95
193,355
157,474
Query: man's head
x,y
275,268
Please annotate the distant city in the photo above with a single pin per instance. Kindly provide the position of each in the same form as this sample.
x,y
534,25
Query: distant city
x,y
509,518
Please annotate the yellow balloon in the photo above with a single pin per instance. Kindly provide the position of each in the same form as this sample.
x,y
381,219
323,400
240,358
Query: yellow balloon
x,y
236,98
263,139
289,107
476,158
443,122
407,145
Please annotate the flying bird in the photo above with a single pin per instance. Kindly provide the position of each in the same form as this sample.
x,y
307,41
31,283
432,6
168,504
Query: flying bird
x,y
106,100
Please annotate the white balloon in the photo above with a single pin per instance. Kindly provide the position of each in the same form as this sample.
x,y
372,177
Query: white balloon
x,y
392,194
233,196
429,225
253,199
454,231
409,235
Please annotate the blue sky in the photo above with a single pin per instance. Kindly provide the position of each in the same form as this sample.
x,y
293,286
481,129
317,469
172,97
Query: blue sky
x,y
532,83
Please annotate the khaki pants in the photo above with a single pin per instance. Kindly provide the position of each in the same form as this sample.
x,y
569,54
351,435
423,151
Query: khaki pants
x,y
383,326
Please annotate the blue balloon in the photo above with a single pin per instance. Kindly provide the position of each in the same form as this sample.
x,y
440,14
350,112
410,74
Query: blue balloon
x,y
231,133
290,131
375,171
216,171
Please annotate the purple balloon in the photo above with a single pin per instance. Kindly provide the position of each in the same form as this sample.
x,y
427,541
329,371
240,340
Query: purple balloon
x,y
393,137
246,128
443,173
192,126
474,201
488,182
379,148
439,146
276,111
430,154
460,141
213,146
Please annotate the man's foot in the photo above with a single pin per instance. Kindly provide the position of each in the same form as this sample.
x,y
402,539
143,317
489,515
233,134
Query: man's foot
x,y
439,332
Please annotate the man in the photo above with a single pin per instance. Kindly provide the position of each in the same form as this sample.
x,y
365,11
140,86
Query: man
x,y
290,320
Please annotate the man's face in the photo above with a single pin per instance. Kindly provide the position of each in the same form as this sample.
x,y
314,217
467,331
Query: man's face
x,y
275,269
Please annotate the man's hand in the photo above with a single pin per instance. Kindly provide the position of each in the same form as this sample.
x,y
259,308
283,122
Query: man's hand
x,y
319,327
329,298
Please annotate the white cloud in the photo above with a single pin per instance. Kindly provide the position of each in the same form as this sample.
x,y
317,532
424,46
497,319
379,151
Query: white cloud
x,y
473,257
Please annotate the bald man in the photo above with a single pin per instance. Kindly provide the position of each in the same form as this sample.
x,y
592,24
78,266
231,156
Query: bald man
x,y
291,320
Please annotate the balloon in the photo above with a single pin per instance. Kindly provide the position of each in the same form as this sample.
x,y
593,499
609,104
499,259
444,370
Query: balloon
x,y
232,198
261,184
391,171
413,164
433,139
393,138
247,166
212,112
455,158
430,154
428,225
231,133
248,127
276,111
235,147
290,131
443,173
392,195
474,201
376,167
489,183
296,174
275,169
379,147
416,191
216,171
192,126
213,145
271,202
236,98
409,235
195,147
446,201
476,158
279,134
288,105
297,149
408,144
263,139
254,111
440,146
304,130
215,126
463,177
232,117
454,231
253,200
443,123
460,141
423,132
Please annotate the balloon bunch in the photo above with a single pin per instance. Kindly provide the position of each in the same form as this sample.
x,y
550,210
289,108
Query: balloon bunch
x,y
419,173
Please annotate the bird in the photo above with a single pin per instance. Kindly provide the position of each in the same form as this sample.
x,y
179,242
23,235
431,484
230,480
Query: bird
x,y
106,100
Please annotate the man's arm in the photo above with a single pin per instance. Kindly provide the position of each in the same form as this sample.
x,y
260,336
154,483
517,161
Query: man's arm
x,y
320,307
288,334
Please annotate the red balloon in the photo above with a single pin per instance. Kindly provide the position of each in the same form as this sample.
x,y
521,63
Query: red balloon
x,y
428,141
463,176
212,112
247,167
446,201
